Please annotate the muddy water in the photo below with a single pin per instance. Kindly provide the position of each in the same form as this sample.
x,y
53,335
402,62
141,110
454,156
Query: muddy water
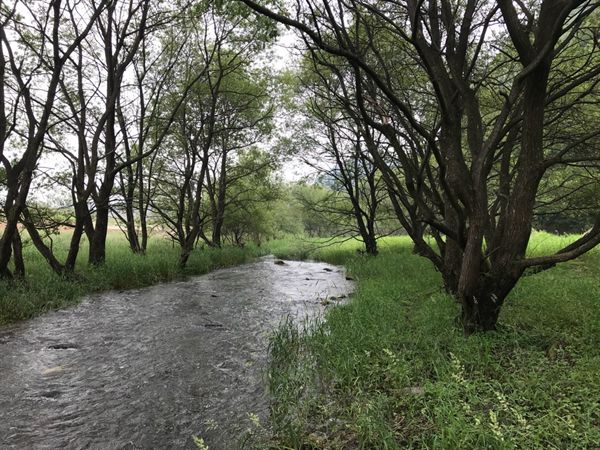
x,y
149,368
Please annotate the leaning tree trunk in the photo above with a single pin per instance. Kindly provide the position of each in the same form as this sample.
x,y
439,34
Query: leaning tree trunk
x,y
14,204
71,260
40,245
6,249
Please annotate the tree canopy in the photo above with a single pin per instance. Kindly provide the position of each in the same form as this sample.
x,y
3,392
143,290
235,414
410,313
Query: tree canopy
x,y
476,99
465,123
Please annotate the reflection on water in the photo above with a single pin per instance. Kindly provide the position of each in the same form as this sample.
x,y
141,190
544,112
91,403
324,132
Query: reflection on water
x,y
149,368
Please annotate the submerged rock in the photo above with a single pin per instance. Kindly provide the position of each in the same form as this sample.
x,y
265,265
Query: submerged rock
x,y
65,346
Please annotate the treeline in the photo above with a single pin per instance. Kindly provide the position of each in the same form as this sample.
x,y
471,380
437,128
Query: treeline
x,y
154,117
463,123
129,109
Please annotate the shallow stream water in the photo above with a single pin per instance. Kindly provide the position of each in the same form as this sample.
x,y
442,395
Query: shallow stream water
x,y
149,368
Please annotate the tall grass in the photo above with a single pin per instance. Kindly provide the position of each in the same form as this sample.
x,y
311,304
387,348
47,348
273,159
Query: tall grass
x,y
393,370
42,290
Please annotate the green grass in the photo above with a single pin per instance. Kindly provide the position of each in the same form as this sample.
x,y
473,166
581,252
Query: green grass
x,y
393,370
42,290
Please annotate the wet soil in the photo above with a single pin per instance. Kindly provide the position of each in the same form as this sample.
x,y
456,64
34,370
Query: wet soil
x,y
149,368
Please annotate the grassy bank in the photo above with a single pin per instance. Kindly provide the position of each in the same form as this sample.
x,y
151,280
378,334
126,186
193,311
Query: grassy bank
x,y
393,370
42,290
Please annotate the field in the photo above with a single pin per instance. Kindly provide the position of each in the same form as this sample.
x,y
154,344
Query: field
x,y
42,290
393,370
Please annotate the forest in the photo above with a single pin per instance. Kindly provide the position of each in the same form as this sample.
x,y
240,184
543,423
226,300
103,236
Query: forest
x,y
445,153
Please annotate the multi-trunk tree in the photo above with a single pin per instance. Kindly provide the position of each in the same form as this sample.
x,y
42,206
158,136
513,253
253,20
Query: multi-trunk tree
x,y
464,92
37,40
333,141
227,112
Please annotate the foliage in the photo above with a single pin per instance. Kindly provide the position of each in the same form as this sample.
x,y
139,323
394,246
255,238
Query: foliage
x,y
249,211
315,202
460,106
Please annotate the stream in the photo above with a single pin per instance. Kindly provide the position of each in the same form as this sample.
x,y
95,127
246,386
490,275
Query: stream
x,y
150,368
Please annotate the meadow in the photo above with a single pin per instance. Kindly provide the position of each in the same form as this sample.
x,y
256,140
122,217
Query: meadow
x,y
392,369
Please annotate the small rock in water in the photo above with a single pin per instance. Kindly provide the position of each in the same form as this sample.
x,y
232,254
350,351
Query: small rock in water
x,y
279,262
51,394
53,370
327,269
349,278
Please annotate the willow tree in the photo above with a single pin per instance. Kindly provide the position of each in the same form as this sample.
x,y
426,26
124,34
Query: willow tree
x,y
228,110
465,92
330,139
37,39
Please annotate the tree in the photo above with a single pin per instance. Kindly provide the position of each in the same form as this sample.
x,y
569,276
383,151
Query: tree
x,y
120,31
36,41
462,91
112,103
336,146
226,112
319,209
249,206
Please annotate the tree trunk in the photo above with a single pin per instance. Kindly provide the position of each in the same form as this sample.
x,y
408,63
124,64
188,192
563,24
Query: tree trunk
x,y
40,245
216,232
142,206
83,223
18,255
132,235
12,213
97,253
480,313
371,245
74,247
186,251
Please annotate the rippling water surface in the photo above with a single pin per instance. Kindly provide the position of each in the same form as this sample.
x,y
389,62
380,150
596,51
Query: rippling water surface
x,y
149,368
